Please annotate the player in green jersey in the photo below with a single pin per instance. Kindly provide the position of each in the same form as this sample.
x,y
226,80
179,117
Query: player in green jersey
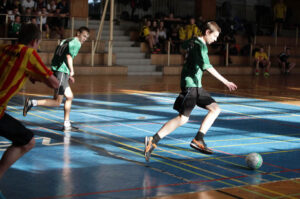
x,y
62,66
192,93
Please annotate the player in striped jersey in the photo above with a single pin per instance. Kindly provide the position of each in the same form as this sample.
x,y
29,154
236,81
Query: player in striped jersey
x,y
18,63
62,66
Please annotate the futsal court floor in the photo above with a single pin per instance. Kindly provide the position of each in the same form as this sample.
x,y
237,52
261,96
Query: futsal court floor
x,y
104,159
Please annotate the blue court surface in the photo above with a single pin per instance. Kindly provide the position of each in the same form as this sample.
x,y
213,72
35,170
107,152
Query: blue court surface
x,y
105,158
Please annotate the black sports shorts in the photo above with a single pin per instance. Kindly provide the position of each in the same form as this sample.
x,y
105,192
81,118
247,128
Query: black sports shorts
x,y
63,79
13,130
189,98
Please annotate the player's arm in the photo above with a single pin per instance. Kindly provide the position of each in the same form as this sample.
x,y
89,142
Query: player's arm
x,y
230,85
70,65
37,71
52,82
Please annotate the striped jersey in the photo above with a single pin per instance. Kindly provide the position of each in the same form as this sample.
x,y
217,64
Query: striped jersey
x,y
17,64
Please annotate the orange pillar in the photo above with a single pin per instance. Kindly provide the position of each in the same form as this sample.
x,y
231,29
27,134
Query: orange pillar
x,y
79,8
206,9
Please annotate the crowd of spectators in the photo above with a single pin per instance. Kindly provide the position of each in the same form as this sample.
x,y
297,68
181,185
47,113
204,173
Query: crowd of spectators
x,y
52,14
156,32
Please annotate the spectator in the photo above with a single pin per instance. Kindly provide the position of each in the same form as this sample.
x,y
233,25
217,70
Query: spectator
x,y
51,7
64,11
12,14
45,25
146,36
27,4
154,33
5,5
174,38
279,15
162,36
200,21
15,26
39,5
27,16
262,61
284,64
57,23
182,33
192,30
169,21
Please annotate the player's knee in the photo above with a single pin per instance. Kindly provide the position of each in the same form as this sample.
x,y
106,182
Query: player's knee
x,y
70,97
29,145
215,109
58,102
183,119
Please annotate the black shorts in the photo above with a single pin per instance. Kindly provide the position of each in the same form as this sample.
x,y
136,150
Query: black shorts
x,y
13,130
189,98
63,79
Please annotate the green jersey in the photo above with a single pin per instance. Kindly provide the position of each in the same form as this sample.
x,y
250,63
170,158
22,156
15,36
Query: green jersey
x,y
196,62
66,47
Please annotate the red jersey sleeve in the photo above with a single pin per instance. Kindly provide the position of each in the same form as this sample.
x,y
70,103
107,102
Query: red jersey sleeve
x,y
36,68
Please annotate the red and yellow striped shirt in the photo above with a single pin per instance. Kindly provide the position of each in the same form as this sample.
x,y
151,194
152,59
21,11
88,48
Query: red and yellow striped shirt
x,y
17,64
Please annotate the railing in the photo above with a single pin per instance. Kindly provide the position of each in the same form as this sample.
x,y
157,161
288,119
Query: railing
x,y
227,54
95,42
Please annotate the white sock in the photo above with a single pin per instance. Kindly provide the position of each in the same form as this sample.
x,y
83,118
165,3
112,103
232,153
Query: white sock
x,y
67,123
34,102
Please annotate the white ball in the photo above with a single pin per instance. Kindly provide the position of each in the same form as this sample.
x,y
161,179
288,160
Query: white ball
x,y
254,160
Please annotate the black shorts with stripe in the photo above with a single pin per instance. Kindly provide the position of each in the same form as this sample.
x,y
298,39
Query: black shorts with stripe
x,y
189,98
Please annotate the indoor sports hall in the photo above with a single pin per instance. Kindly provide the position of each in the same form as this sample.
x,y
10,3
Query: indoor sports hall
x,y
124,91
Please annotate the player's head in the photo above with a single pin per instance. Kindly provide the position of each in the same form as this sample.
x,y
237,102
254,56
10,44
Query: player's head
x,y
288,51
83,34
30,35
211,32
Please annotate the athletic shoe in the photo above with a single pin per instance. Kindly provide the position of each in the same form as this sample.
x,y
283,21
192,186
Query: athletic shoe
x,y
149,147
200,146
266,74
71,128
27,106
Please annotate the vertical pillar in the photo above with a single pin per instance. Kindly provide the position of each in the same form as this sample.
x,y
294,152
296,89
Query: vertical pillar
x,y
206,9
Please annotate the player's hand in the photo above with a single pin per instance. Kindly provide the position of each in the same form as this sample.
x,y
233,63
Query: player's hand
x,y
231,86
72,79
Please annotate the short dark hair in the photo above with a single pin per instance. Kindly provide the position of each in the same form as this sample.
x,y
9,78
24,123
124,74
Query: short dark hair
x,y
28,33
212,26
83,28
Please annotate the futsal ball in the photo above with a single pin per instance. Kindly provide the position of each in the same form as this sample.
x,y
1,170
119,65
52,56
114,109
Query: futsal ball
x,y
254,160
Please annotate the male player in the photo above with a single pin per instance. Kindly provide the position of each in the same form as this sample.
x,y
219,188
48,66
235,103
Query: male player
x,y
62,66
192,93
18,63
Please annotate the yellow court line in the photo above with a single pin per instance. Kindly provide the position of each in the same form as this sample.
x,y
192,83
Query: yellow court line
x,y
184,163
188,165
167,151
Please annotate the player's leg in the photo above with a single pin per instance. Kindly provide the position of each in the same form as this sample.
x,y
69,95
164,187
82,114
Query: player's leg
x,y
57,97
67,109
167,128
22,141
184,104
207,102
